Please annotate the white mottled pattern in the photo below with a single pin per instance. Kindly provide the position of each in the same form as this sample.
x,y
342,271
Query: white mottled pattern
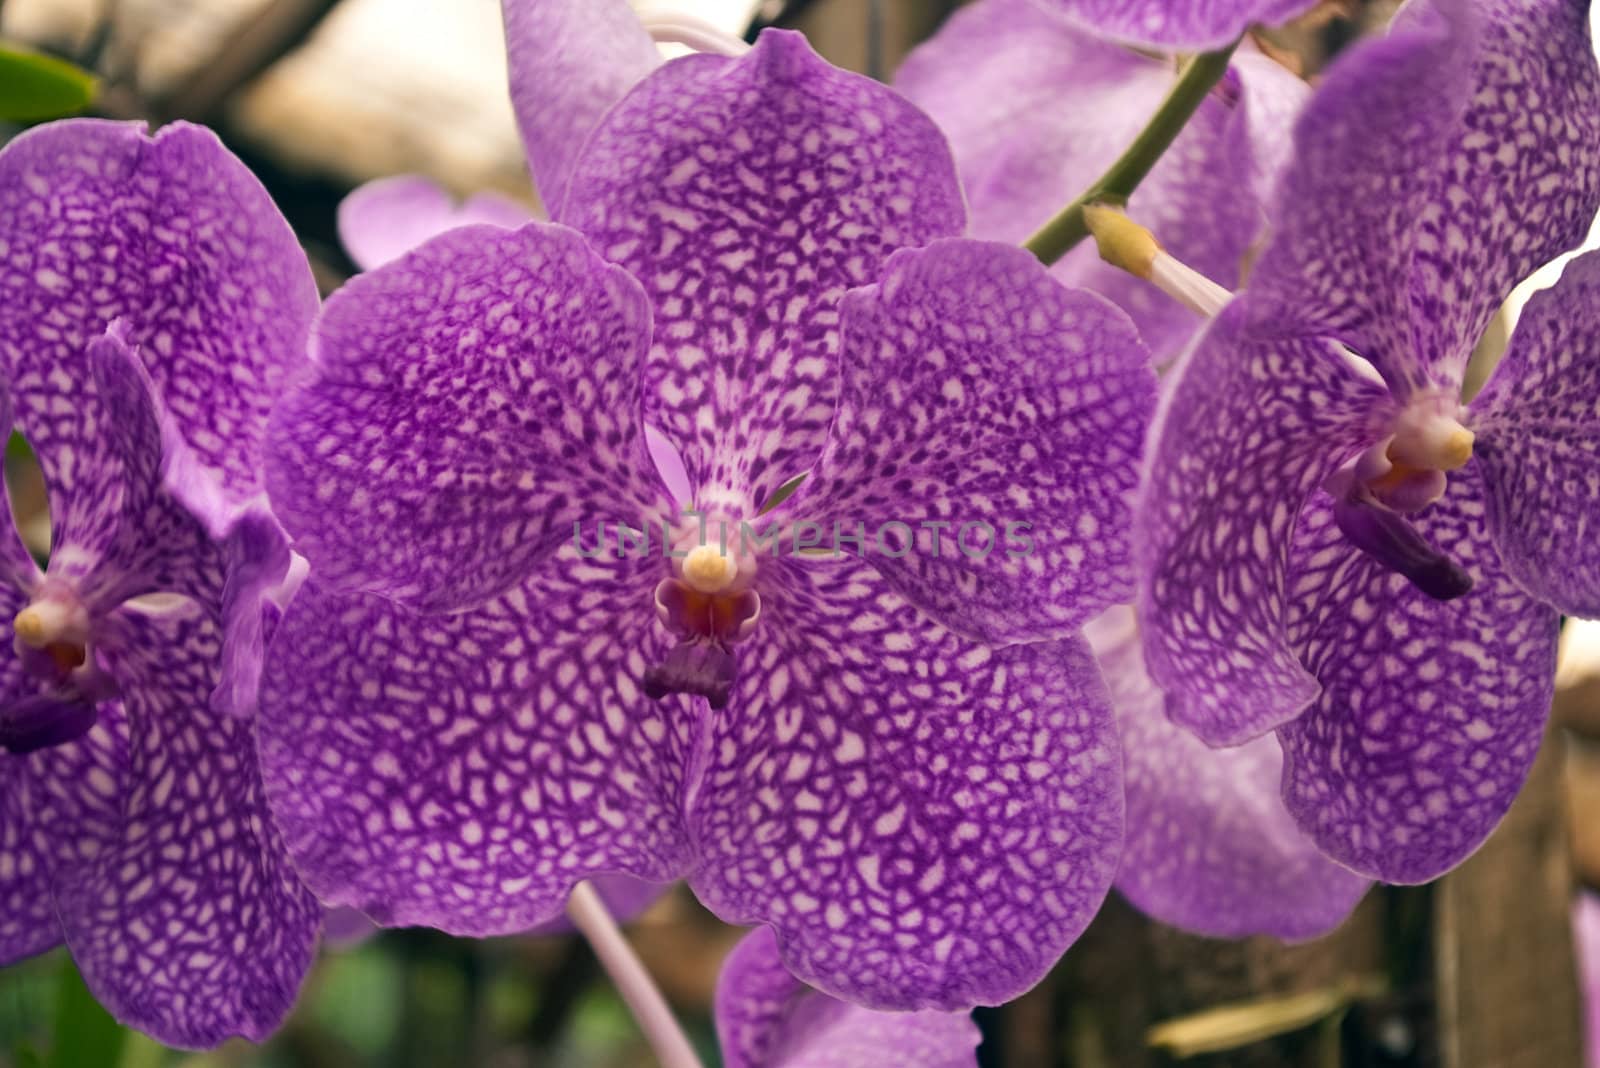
x,y
464,771
926,822
186,919
1430,712
1525,156
100,221
117,530
982,397
1247,430
1210,847
747,196
1538,427
48,800
473,400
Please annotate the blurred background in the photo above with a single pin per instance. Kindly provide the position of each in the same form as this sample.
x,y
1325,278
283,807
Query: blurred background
x,y
319,96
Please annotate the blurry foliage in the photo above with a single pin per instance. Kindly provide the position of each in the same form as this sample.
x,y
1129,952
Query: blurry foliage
x,y
35,87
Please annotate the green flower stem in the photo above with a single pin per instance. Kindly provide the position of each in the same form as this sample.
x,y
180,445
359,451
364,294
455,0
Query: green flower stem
x,y
1058,236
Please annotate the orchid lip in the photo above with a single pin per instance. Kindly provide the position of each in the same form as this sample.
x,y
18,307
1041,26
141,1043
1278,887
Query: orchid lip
x,y
707,625
1389,538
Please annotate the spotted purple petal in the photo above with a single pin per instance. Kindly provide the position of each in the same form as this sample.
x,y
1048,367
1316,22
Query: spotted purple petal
x,y
54,803
386,218
766,1018
1247,431
472,402
1430,712
119,527
926,822
1340,261
569,61
464,771
186,919
100,221
995,79
1539,444
1518,182
746,196
1210,847
1178,24
987,441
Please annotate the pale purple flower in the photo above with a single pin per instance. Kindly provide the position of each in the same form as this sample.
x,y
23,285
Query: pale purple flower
x,y
152,305
1036,109
457,722
766,1018
388,217
1178,24
1340,548
1209,847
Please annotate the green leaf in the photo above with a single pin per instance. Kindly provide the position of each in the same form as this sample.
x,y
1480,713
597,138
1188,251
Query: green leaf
x,y
85,1033
35,87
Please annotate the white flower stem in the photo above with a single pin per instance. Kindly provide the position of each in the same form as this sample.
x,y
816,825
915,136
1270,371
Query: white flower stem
x,y
633,982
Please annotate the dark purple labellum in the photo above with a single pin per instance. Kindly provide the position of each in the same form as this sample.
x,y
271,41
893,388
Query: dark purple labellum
x,y
1385,536
35,723
699,666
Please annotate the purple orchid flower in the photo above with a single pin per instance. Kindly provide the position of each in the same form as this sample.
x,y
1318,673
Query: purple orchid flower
x,y
1179,24
1210,848
768,1019
926,817
1036,109
151,303
1337,546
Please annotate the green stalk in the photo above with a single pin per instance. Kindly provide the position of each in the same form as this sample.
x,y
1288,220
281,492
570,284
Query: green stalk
x,y
1058,236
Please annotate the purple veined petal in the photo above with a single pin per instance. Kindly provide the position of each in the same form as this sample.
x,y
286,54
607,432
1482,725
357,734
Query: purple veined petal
x,y
1339,263
1538,444
472,401
256,556
1186,25
187,920
925,821
1210,847
1246,431
464,771
766,1018
569,60
386,218
1519,182
130,506
747,196
45,797
982,396
1430,712
55,804
994,79
101,221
